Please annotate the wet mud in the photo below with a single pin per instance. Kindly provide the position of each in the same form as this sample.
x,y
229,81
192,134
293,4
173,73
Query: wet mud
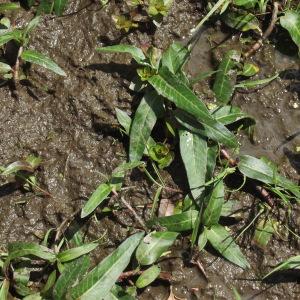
x,y
70,123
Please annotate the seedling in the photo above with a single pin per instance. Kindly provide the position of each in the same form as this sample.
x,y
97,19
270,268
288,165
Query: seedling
x,y
22,39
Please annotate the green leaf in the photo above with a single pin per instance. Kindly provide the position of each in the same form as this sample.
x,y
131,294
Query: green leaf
x,y
74,253
224,83
149,109
59,6
174,90
259,169
202,240
291,263
117,293
124,120
245,3
135,52
264,231
4,290
249,69
241,20
49,283
11,35
42,60
291,22
98,196
255,83
31,25
148,276
221,240
213,209
174,57
22,249
229,114
179,222
9,6
16,166
154,245
72,272
97,283
193,150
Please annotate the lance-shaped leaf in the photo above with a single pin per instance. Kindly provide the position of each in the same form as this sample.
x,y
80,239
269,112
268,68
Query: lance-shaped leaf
x,y
291,22
124,120
154,245
98,283
72,272
148,276
11,35
259,169
213,209
149,109
9,6
291,263
99,195
193,150
222,241
225,78
229,114
42,60
179,222
22,249
174,57
59,6
174,90
136,53
76,252
4,290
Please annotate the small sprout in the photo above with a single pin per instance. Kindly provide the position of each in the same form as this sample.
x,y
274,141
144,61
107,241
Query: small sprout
x,y
122,22
145,73
162,155
159,7
249,69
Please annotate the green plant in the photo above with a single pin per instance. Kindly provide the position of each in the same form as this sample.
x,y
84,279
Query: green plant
x,y
22,38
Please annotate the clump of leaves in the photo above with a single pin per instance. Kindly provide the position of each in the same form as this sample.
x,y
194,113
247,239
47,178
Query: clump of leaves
x,y
22,39
142,11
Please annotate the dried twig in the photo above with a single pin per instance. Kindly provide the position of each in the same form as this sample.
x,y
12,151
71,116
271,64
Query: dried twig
x,y
133,212
266,34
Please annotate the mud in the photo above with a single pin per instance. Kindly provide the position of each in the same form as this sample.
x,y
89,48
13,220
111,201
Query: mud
x,y
70,122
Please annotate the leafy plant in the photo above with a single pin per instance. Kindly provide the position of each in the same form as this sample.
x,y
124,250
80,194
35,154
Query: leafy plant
x,y
22,38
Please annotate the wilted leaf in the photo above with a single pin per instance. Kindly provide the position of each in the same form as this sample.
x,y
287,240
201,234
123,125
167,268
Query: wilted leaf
x,y
148,276
222,241
97,283
153,246
255,83
42,60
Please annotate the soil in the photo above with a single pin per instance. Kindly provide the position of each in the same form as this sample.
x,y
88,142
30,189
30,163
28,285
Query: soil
x,y
71,124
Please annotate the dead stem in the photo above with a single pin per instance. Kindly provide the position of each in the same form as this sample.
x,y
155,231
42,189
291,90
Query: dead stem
x,y
136,216
266,34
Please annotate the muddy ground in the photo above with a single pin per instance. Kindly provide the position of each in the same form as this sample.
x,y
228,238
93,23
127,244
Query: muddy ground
x,y
70,122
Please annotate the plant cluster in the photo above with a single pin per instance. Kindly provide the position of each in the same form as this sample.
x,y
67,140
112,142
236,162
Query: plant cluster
x,y
199,134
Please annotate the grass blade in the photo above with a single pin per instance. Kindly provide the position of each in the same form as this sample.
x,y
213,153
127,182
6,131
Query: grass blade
x,y
76,252
59,6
